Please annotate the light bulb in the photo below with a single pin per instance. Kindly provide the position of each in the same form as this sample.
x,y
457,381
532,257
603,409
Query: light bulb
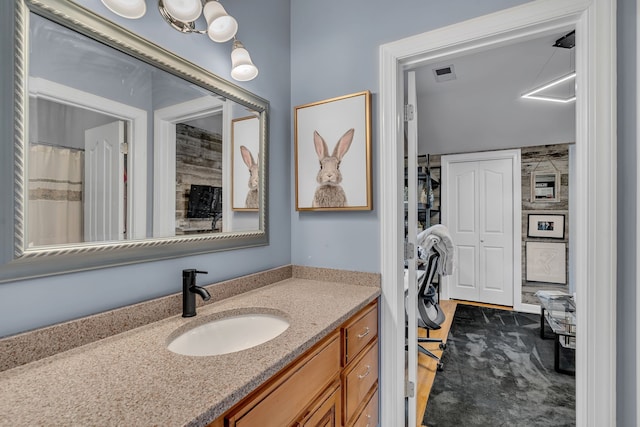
x,y
183,10
242,68
220,26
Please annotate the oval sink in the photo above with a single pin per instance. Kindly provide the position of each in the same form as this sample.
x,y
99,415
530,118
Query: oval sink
x,y
228,335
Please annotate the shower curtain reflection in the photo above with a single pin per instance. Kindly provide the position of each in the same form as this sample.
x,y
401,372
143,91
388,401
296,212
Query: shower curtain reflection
x,y
54,211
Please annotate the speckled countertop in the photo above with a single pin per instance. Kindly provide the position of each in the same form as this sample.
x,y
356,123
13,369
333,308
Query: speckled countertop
x,y
132,379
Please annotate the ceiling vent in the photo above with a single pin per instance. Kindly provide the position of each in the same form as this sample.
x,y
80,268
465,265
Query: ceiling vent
x,y
444,74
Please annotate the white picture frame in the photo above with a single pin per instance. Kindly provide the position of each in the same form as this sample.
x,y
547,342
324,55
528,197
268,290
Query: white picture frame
x,y
545,187
546,262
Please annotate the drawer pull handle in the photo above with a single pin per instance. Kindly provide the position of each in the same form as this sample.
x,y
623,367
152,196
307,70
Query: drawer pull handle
x,y
365,333
368,420
366,373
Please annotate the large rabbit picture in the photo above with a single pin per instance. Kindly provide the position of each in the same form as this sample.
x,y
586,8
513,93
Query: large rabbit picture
x,y
246,164
332,150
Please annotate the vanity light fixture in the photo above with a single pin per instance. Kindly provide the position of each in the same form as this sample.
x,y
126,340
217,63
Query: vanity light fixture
x,y
131,9
182,15
242,68
535,93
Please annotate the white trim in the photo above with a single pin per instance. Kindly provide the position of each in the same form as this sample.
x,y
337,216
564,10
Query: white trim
x,y
595,195
136,132
516,163
637,209
637,21
164,157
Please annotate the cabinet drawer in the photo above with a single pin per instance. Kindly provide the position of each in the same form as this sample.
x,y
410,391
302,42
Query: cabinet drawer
x,y
369,415
293,392
359,333
359,378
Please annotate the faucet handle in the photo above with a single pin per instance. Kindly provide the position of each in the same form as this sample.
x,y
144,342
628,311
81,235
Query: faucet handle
x,y
201,272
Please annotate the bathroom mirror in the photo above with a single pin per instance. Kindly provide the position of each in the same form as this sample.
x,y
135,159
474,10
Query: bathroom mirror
x,y
123,151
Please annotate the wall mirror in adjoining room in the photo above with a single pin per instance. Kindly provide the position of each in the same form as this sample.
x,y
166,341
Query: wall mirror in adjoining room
x,y
123,151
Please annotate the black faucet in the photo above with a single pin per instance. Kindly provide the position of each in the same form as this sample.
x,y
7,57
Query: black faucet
x,y
189,291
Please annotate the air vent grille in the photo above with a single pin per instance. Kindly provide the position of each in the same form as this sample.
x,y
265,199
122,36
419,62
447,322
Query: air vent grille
x,y
444,74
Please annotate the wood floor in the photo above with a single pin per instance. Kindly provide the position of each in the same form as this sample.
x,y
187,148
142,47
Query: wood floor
x,y
427,367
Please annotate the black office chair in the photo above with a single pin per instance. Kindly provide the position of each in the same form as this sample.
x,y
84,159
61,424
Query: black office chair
x,y
430,315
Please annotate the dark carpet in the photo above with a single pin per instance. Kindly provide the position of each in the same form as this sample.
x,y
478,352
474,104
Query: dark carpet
x,y
499,372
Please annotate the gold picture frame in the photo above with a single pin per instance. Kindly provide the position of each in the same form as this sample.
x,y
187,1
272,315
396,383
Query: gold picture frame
x,y
332,141
245,161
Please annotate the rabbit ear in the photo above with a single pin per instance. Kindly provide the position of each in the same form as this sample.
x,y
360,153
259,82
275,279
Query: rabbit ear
x,y
321,147
343,144
246,156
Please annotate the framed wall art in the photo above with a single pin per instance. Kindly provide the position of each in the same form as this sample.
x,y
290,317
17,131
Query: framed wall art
x,y
333,154
550,226
545,187
245,143
546,262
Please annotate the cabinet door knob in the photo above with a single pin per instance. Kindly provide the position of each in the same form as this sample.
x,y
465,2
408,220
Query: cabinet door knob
x,y
365,333
366,373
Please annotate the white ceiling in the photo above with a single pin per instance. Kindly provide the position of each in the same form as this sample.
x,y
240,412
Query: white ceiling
x,y
482,110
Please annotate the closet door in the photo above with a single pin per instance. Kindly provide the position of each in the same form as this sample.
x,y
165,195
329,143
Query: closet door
x,y
479,211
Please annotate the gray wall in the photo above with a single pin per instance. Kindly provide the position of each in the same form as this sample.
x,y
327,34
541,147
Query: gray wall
x,y
264,29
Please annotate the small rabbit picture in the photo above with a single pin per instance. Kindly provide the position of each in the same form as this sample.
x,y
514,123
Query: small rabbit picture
x,y
251,201
329,192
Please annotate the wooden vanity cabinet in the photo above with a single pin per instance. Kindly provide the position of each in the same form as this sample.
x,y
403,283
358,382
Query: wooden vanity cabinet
x,y
359,375
333,384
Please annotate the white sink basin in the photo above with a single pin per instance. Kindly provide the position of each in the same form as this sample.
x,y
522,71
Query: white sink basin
x,y
228,335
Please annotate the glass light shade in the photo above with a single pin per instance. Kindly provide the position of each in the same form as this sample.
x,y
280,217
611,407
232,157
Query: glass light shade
x,y
242,68
184,10
132,9
220,26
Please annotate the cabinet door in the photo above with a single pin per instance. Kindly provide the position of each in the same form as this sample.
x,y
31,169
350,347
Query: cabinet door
x,y
326,412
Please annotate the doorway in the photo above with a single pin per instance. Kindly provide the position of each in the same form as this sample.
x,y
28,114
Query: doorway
x,y
595,192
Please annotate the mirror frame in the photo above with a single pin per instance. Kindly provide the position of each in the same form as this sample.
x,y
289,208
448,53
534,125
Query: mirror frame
x,y
19,262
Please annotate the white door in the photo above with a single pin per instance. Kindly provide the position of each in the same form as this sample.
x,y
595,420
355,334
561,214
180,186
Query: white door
x,y
479,208
104,183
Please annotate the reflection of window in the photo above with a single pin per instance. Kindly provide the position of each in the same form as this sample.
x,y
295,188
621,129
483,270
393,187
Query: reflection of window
x,y
544,187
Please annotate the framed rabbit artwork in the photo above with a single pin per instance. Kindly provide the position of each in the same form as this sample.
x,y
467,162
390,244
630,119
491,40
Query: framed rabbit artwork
x,y
333,154
245,142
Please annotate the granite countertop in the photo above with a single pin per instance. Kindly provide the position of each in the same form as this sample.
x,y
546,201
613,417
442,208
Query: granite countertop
x,y
132,379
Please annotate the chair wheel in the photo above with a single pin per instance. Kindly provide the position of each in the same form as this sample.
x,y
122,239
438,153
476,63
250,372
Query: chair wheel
x,y
442,345
440,367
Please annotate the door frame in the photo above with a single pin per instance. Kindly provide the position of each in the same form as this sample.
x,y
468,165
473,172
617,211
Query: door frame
x,y
515,157
164,156
595,186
